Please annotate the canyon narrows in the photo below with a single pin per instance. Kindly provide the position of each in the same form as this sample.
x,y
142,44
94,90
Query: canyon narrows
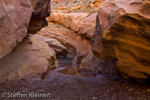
x,y
74,50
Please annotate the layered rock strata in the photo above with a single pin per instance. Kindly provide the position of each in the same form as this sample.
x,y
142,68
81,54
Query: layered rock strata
x,y
123,34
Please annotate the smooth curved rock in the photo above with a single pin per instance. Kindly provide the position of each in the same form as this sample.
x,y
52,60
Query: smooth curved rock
x,y
56,46
86,26
30,58
81,23
123,34
77,45
15,16
80,47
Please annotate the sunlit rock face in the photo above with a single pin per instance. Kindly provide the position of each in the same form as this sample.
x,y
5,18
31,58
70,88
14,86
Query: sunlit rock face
x,y
15,16
77,41
23,56
60,1
95,4
81,23
123,34
30,58
76,45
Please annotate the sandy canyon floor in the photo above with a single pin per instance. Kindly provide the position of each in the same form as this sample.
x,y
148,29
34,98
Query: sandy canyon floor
x,y
76,87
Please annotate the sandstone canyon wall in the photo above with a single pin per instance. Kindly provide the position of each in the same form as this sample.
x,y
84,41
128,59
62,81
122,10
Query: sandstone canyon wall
x,y
40,10
75,32
22,55
123,34
15,18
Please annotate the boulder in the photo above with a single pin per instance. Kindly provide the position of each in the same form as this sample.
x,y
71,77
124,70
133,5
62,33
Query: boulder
x,y
77,45
123,34
15,17
86,26
56,46
30,58
80,47
98,66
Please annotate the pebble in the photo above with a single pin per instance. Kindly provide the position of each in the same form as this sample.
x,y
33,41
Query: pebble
x,y
96,93
131,89
94,98
148,90
40,90
113,89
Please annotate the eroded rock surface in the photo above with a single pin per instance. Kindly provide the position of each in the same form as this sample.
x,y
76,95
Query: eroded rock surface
x,y
98,66
60,1
30,58
86,26
76,45
66,18
123,34
81,23
40,10
56,46
80,47
15,17
96,4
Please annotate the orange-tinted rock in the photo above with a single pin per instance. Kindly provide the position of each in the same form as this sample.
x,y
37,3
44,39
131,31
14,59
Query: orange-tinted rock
x,y
76,44
76,7
31,58
67,18
60,1
62,8
123,34
96,4
59,11
81,23
53,11
85,27
80,47
15,17
65,11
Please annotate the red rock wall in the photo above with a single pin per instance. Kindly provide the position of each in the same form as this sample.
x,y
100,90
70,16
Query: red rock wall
x,y
60,1
123,34
19,17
